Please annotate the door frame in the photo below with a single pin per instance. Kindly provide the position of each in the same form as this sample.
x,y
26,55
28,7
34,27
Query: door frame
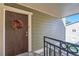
x,y
12,9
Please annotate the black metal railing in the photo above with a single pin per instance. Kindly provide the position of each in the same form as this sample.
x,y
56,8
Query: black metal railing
x,y
54,47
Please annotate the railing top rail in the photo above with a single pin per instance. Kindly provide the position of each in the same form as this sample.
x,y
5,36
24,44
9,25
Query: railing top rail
x,y
60,41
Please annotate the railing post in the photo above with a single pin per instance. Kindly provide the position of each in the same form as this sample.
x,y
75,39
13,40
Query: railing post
x,y
60,49
44,45
67,49
50,51
47,53
54,51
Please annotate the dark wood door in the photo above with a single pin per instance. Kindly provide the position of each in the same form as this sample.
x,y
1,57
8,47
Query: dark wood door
x,y
16,41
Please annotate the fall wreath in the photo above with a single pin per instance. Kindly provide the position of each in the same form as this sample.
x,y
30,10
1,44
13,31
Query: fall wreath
x,y
17,24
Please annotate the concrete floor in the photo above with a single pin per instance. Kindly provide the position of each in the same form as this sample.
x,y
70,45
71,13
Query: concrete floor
x,y
29,54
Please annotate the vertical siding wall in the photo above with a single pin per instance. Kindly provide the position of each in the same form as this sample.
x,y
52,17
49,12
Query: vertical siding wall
x,y
43,25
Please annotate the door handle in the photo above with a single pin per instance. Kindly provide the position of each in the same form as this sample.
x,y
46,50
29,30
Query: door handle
x,y
26,33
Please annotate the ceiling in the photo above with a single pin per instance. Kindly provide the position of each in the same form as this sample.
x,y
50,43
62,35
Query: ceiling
x,y
55,9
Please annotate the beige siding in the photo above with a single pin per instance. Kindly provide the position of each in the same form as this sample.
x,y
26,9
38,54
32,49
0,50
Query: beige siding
x,y
1,29
38,30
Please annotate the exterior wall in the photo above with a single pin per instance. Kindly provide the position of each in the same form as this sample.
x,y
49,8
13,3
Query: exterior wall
x,y
55,29
71,36
1,29
38,30
43,25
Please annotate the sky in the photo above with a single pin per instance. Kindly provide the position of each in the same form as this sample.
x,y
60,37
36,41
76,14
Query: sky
x,y
73,18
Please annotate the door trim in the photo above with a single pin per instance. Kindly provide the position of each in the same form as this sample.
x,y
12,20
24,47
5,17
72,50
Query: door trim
x,y
8,8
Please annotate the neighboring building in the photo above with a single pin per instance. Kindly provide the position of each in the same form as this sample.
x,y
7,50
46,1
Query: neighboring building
x,y
72,33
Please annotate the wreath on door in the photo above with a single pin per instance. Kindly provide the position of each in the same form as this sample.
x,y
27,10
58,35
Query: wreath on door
x,y
17,24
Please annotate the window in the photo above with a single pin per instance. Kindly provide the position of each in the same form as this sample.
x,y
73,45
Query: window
x,y
73,30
